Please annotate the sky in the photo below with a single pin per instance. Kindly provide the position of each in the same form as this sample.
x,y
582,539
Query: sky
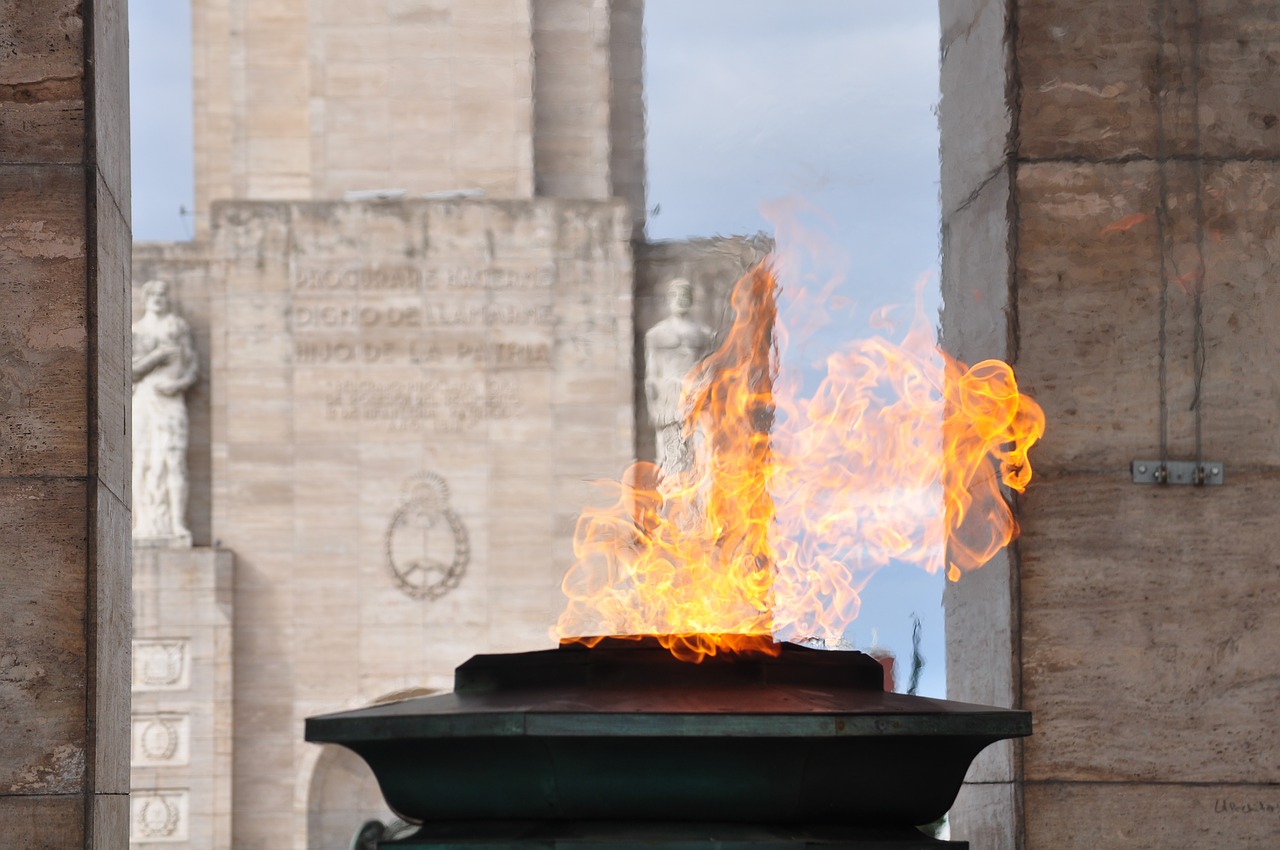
x,y
826,103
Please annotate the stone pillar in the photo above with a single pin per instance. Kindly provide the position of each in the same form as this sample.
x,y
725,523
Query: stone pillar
x,y
181,726
64,413
588,101
571,92
1111,199
307,100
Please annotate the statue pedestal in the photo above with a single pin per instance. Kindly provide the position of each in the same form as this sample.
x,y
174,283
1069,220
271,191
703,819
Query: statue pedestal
x,y
180,775
176,541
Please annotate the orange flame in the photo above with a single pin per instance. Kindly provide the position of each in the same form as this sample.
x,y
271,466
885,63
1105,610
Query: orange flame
x,y
794,502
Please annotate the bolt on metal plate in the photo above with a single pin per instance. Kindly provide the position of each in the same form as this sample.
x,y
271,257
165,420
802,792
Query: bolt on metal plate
x,y
1176,472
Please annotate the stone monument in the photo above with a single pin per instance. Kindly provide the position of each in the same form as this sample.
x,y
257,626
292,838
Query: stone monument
x,y
164,368
672,348
405,395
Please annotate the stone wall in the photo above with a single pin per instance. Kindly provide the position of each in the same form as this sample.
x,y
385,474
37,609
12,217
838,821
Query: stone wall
x,y
1093,158
588,101
627,171
571,98
311,99
412,402
64,444
316,98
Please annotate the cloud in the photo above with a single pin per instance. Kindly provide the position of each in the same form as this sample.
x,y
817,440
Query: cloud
x,y
832,100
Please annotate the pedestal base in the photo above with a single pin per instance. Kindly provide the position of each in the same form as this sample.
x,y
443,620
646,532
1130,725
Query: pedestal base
x,y
180,771
172,541
667,836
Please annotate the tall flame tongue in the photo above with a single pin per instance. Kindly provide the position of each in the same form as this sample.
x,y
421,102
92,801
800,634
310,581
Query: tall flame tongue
x,y
794,503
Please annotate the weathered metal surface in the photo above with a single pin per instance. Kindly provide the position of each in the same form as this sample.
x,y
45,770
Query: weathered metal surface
x,y
663,836
625,732
1176,472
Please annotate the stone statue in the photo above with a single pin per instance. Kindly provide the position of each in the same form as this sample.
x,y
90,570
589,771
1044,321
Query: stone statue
x,y
164,367
671,349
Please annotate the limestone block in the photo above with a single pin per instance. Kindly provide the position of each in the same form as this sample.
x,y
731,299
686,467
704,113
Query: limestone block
x,y
356,80
1081,94
1240,392
112,374
422,157
43,344
982,651
627,108
42,705
987,815
111,114
1096,371
53,822
408,12
47,129
1148,619
328,660
979,319
281,42
279,153
1066,816
292,184
974,114
112,626
1238,107
502,42
110,820
42,113
568,16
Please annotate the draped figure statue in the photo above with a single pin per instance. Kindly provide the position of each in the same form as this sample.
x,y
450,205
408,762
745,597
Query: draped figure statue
x,y
164,368
672,348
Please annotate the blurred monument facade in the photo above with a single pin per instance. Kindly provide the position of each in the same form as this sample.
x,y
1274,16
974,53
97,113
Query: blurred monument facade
x,y
417,297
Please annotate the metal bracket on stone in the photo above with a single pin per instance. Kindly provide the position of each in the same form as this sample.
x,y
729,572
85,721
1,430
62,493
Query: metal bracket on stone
x,y
1176,472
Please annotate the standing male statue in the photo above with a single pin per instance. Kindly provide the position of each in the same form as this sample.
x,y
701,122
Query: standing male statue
x,y
671,349
164,367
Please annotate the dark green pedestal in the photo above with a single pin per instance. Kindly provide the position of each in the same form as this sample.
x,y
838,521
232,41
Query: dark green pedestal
x,y
668,836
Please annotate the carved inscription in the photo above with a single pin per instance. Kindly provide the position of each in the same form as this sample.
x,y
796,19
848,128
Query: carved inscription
x,y
406,315
422,351
441,405
466,326
409,279
352,317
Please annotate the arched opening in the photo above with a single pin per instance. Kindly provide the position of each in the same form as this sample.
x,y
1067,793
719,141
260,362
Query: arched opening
x,y
343,795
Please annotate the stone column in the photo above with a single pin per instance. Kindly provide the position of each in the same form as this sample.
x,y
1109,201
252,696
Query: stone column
x,y
64,412
1111,204
588,101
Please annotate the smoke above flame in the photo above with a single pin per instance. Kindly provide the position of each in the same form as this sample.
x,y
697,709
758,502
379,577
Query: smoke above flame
x,y
796,499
